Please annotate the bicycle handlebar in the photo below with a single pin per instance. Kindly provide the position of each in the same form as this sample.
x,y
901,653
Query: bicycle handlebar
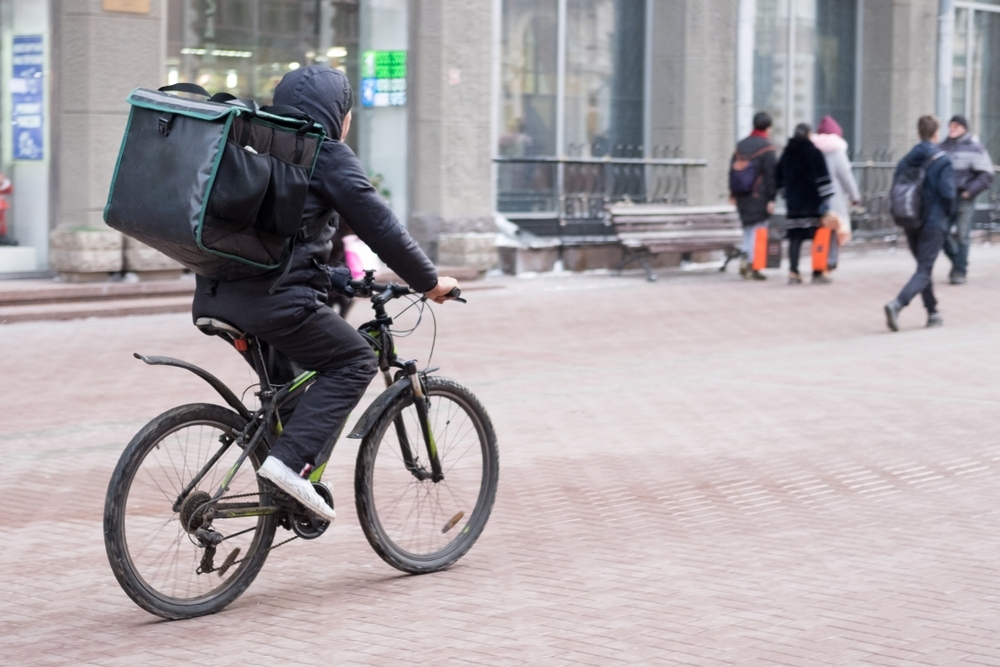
x,y
368,287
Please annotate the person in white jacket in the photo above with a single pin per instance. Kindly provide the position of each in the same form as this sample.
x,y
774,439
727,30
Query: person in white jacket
x,y
829,139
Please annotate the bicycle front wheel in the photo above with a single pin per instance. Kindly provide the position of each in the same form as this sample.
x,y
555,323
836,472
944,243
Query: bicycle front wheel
x,y
150,525
418,525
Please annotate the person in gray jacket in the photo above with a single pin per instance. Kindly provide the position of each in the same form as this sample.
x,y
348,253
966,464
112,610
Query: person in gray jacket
x,y
973,175
829,139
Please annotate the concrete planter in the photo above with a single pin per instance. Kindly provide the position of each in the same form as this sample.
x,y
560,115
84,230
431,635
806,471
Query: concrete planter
x,y
477,251
149,264
515,260
83,254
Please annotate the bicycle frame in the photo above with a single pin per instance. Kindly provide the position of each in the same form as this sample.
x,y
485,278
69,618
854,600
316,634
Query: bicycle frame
x,y
265,424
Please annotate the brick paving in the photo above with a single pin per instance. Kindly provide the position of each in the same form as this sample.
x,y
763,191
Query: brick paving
x,y
698,471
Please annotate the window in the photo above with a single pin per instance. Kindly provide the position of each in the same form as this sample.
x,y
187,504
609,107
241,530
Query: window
x,y
529,78
805,63
602,94
244,47
975,84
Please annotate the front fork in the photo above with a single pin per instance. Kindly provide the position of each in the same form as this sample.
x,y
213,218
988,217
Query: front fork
x,y
421,403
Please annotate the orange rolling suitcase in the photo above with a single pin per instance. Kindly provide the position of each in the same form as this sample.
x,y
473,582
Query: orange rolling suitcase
x,y
821,249
760,249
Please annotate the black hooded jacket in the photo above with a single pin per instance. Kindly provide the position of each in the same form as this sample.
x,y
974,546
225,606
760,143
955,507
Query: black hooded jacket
x,y
803,174
340,186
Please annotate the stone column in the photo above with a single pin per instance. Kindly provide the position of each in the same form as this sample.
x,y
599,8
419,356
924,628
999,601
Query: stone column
x,y
98,56
451,189
898,75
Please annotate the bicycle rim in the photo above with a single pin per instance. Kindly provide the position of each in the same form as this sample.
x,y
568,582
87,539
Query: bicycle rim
x,y
162,552
423,522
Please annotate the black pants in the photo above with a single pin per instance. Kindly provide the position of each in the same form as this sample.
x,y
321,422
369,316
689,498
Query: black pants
x,y
796,235
925,244
298,332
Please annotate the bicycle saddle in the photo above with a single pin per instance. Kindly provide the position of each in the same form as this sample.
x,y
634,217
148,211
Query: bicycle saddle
x,y
213,327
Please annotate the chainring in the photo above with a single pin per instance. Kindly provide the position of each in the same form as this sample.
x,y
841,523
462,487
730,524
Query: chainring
x,y
304,524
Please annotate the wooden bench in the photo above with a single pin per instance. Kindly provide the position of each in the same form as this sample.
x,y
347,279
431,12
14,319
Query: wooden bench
x,y
646,230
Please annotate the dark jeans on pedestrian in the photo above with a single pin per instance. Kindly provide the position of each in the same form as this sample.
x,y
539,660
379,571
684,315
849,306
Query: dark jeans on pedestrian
x,y
298,332
956,243
796,235
925,244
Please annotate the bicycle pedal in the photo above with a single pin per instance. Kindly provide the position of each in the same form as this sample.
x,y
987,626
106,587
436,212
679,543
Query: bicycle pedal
x,y
228,563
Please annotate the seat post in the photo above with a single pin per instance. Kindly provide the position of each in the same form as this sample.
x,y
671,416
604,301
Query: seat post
x,y
258,363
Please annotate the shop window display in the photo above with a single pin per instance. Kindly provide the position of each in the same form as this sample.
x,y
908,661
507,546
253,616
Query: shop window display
x,y
244,47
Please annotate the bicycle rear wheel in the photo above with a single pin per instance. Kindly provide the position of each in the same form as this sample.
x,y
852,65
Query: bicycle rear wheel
x,y
150,536
420,526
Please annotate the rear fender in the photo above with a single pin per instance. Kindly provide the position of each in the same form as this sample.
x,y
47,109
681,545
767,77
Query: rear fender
x,y
217,384
380,405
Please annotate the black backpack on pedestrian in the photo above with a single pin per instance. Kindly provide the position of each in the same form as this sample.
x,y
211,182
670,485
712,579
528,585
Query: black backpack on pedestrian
x,y
743,172
906,195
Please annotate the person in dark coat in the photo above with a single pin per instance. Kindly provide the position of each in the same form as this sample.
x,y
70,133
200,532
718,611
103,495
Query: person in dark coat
x,y
937,201
288,309
755,204
803,174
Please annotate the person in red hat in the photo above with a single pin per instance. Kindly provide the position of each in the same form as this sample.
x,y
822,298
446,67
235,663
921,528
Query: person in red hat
x,y
829,139
6,187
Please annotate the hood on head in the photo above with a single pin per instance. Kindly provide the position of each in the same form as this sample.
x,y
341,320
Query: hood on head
x,y
829,143
320,91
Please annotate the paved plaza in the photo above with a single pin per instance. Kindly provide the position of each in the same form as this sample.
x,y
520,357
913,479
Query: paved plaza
x,y
698,471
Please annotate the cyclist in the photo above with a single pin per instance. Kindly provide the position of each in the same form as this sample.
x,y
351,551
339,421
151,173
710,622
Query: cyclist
x,y
288,309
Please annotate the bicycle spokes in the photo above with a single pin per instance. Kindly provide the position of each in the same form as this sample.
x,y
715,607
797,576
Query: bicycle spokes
x,y
419,515
174,550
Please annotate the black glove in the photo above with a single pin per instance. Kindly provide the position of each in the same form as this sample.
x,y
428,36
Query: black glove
x,y
340,279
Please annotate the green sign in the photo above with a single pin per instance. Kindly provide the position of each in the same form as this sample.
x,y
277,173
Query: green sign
x,y
383,78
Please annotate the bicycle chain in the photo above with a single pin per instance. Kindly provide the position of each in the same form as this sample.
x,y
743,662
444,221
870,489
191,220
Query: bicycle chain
x,y
237,562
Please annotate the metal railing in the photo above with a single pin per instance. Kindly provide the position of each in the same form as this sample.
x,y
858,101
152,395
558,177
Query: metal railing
x,y
570,196
872,220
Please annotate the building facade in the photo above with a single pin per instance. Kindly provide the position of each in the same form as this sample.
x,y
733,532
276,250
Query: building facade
x,y
469,108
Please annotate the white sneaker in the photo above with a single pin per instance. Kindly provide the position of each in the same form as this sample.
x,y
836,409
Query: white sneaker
x,y
300,489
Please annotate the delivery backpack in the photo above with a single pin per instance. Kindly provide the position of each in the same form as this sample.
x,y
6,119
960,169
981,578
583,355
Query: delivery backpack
x,y
217,184
906,195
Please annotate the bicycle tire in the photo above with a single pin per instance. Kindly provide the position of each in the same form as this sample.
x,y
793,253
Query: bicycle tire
x,y
364,481
123,565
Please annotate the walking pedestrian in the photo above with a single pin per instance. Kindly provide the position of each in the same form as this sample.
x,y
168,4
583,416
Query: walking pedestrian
x,y
829,139
937,196
803,174
973,170
753,187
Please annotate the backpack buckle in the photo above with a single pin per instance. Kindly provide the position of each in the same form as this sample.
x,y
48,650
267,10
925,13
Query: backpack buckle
x,y
164,123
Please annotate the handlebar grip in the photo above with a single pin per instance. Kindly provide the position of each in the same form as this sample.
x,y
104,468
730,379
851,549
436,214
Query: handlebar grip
x,y
456,295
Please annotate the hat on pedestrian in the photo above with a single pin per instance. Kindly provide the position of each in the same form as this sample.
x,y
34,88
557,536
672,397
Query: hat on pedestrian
x,y
960,119
829,126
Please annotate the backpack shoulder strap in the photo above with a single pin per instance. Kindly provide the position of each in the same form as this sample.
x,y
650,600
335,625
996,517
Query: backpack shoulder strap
x,y
765,149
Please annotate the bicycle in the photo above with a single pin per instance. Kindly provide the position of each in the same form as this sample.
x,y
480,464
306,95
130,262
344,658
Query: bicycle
x,y
181,491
